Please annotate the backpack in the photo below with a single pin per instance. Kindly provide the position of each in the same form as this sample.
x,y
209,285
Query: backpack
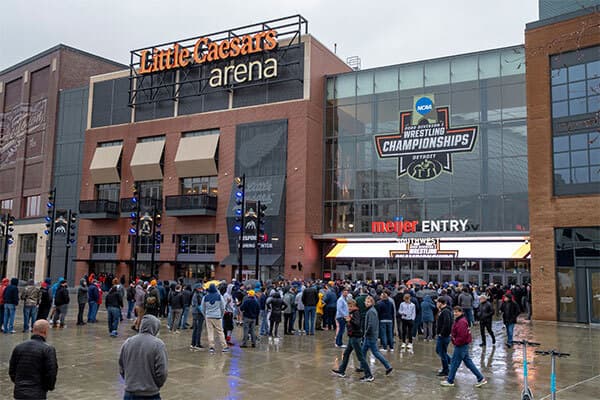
x,y
151,299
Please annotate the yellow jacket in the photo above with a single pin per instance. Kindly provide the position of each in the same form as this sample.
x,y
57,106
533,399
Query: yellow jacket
x,y
320,304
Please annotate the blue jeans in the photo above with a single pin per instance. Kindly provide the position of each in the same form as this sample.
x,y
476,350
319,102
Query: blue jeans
x,y
131,396
510,328
130,306
340,334
169,317
92,311
29,314
441,348
198,320
114,315
386,334
309,319
354,344
371,344
264,324
461,354
184,317
9,317
469,315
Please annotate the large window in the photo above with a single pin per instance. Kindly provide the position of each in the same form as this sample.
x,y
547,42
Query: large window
x,y
576,88
197,244
147,244
151,189
577,162
26,270
105,244
32,204
108,191
199,185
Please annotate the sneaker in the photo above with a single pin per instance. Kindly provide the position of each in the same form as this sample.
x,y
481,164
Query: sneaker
x,y
338,373
225,350
177,332
211,350
403,345
392,350
409,346
388,371
243,346
343,346
446,383
481,383
253,344
367,379
442,373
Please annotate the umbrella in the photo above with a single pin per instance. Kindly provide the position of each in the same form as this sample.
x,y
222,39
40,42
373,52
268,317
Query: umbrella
x,y
455,283
417,281
215,282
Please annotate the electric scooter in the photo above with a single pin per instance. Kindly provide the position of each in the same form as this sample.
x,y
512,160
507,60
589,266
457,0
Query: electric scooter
x,y
553,354
526,393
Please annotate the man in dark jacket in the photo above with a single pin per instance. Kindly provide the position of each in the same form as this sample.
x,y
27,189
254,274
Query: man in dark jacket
x,y
510,311
310,297
61,301
372,334
33,366
461,338
82,298
355,333
187,301
113,302
486,313
11,300
444,328
93,297
250,309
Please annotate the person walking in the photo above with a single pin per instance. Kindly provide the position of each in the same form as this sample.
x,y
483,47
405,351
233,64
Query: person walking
x,y
11,300
407,312
371,335
213,308
340,317
33,366
113,303
461,338
61,303
143,362
82,298
486,314
355,333
444,329
197,318
31,298
428,310
250,310
510,311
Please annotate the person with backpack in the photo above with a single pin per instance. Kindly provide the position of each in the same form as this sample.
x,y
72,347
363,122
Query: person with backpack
x,y
152,300
461,338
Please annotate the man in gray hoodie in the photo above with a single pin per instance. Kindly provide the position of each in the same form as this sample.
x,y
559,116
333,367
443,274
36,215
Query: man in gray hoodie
x,y
213,308
143,362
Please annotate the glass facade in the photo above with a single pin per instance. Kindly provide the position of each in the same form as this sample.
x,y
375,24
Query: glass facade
x,y
575,104
487,185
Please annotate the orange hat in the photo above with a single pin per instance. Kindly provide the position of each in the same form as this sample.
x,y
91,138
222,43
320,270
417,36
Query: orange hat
x,y
153,282
250,292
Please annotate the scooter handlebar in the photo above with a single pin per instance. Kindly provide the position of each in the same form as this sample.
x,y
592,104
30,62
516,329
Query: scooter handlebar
x,y
552,353
525,342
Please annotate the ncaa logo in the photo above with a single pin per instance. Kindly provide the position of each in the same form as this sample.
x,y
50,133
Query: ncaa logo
x,y
424,105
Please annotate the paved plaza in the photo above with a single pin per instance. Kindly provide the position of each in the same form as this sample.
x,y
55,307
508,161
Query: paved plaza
x,y
298,367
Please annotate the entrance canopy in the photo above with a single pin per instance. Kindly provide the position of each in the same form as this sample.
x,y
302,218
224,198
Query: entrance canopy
x,y
435,248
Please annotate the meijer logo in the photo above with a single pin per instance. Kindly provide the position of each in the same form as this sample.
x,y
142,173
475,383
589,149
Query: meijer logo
x,y
424,105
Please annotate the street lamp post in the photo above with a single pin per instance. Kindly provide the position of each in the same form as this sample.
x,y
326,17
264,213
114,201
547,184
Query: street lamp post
x,y
50,220
135,228
240,214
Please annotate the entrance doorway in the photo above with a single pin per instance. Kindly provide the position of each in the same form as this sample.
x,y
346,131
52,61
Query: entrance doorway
x,y
594,295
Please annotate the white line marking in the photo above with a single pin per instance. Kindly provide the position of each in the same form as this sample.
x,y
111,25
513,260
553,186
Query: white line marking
x,y
571,386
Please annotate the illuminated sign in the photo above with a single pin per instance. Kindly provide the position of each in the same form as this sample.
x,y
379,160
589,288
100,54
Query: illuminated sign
x,y
426,142
422,247
401,226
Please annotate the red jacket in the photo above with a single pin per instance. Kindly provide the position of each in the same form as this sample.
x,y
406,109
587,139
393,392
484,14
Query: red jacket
x,y
461,334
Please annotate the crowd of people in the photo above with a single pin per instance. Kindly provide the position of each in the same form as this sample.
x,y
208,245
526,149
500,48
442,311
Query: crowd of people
x,y
371,315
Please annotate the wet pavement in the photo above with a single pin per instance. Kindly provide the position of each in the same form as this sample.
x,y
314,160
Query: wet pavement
x,y
298,367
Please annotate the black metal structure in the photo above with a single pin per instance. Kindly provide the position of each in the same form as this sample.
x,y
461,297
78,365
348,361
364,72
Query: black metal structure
x,y
51,205
6,229
193,79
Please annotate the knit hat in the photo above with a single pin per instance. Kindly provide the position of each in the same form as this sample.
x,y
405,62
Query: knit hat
x,y
153,282
250,292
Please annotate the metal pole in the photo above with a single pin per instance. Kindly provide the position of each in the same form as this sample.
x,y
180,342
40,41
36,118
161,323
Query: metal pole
x,y
153,238
257,264
51,232
243,222
137,231
5,249
67,245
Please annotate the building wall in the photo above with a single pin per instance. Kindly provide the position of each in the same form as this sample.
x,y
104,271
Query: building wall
x,y
546,210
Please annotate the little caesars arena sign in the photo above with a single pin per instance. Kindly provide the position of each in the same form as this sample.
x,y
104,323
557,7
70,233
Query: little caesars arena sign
x,y
207,51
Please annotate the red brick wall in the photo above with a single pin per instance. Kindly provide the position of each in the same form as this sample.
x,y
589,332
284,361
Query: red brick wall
x,y
545,210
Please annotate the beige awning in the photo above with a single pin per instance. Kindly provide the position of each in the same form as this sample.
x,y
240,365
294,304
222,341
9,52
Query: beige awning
x,y
145,163
196,156
104,165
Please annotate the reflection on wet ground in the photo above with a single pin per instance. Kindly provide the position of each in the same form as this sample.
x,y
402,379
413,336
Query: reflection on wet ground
x,y
298,367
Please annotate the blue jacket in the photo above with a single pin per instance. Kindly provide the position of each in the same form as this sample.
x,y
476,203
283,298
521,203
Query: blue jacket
x,y
385,309
427,309
250,307
11,293
330,299
93,293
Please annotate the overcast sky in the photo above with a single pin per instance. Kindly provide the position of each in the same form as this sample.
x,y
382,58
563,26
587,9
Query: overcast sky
x,y
379,32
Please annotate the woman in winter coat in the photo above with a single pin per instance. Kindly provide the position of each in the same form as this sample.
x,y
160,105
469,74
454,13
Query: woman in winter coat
x,y
428,310
276,306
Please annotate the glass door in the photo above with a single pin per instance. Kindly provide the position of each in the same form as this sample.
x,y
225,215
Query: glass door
x,y
594,295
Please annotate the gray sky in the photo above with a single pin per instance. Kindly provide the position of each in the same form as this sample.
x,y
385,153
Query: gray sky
x,y
381,32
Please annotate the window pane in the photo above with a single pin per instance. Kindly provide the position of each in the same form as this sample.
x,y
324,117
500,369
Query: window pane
x,y
559,92
577,106
579,141
386,80
594,156
512,62
593,69
437,73
576,89
489,65
594,104
594,140
562,176
364,83
576,72
561,143
560,109
579,158
593,87
463,69
581,175
559,76
411,76
345,86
